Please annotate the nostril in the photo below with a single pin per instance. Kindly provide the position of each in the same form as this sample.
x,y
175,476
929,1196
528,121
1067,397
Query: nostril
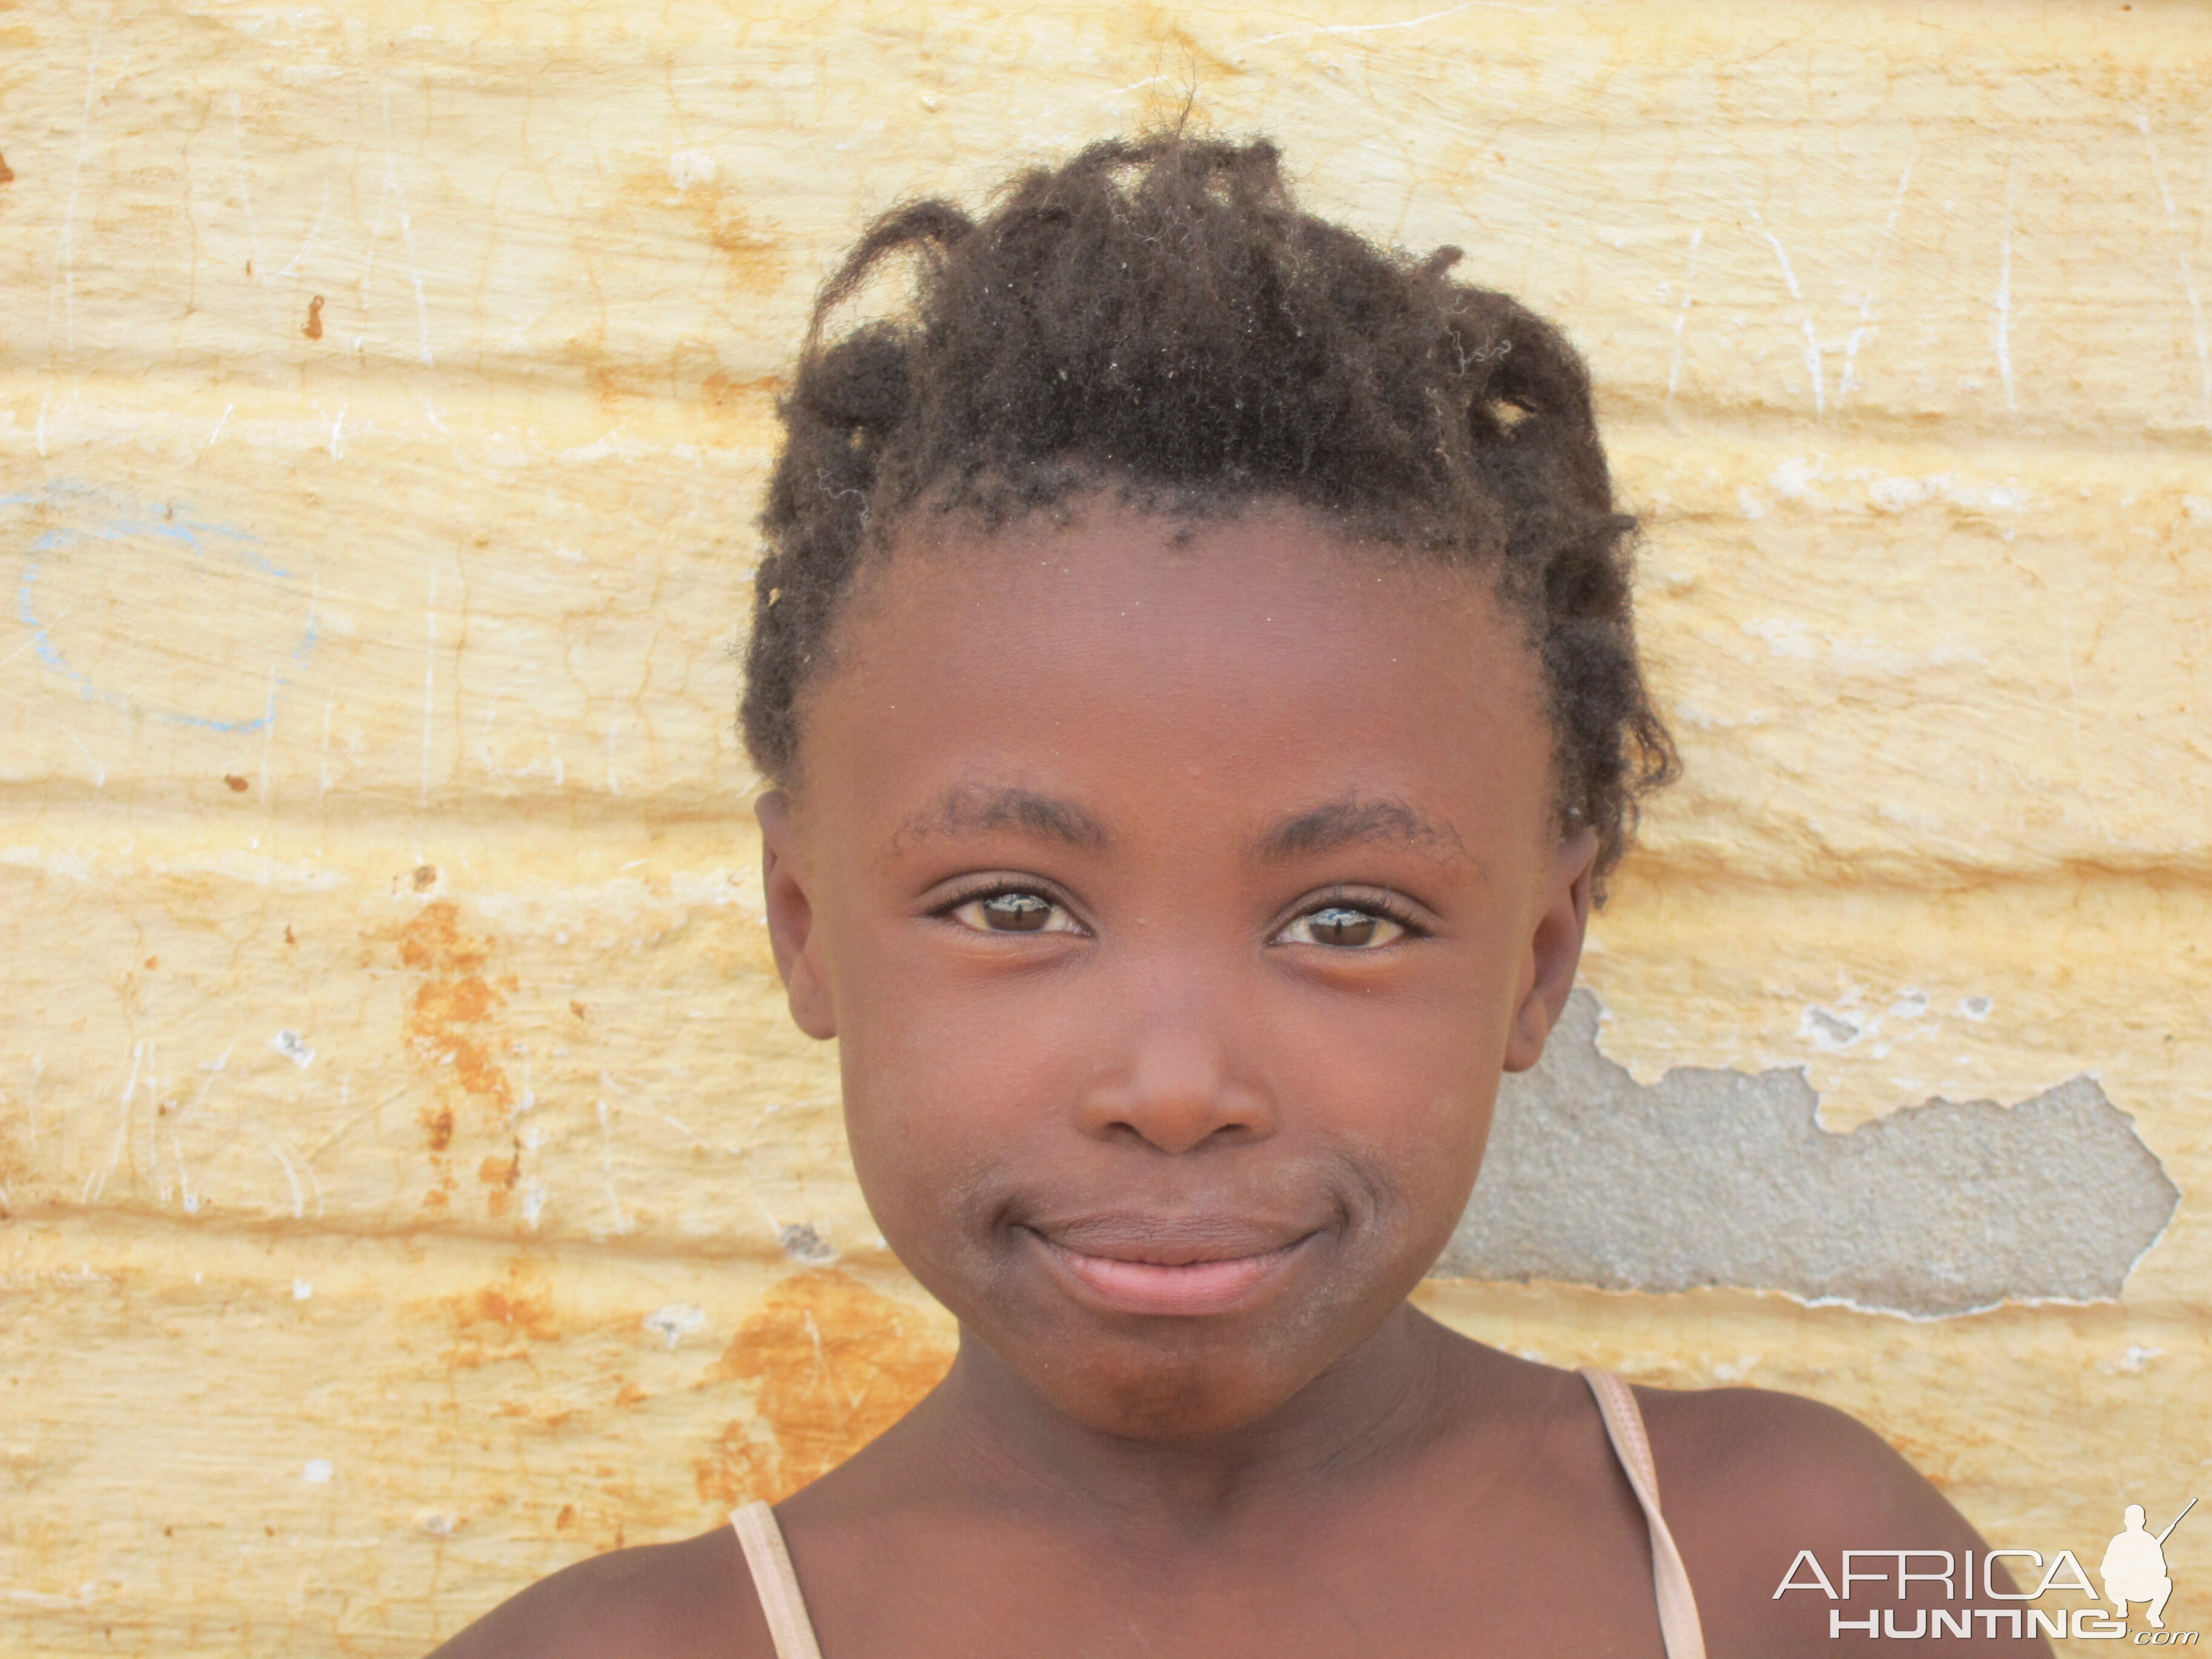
x,y
1177,1120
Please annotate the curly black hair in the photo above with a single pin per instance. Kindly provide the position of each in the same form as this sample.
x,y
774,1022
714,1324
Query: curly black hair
x,y
1159,317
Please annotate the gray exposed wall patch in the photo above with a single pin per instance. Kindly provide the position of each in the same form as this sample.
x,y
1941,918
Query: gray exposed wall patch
x,y
1719,1177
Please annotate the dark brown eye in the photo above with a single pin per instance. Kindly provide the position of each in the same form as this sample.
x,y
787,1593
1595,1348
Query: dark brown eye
x,y
1016,913
1338,926
1344,928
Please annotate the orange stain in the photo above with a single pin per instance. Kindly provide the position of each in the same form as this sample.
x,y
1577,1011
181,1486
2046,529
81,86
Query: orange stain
x,y
501,1320
753,260
836,1364
452,999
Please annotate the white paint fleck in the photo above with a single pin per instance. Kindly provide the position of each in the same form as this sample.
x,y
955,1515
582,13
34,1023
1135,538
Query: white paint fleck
x,y
302,1289
676,1321
293,1048
687,167
317,1471
1975,1007
1786,636
1793,480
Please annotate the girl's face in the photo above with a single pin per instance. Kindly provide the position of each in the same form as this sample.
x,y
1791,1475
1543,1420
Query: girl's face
x,y
1177,897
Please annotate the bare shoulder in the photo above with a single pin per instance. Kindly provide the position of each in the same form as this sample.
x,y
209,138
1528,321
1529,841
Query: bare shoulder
x,y
692,1599
1751,1480
1775,1456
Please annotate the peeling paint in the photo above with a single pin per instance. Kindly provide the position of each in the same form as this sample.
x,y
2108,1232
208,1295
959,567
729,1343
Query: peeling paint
x,y
1726,1178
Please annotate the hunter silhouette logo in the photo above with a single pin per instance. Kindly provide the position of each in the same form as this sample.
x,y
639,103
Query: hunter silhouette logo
x,y
2134,1568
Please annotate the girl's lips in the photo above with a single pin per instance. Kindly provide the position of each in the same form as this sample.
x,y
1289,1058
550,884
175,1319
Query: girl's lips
x,y
1181,1288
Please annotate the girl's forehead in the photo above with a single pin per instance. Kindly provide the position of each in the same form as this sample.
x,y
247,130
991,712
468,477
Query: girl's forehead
x,y
1259,655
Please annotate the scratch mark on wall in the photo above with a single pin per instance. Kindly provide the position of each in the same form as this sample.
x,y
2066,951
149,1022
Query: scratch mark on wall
x,y
1813,373
2001,302
1401,22
253,263
314,230
1682,311
187,1196
98,772
2188,276
429,679
1850,381
393,189
275,1147
96,1183
62,290
621,1217
268,735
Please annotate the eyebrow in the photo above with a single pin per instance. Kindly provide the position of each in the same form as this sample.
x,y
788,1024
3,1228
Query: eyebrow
x,y
1348,823
973,809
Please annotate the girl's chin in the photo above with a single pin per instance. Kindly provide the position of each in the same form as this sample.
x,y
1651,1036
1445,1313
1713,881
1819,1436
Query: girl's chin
x,y
1162,1379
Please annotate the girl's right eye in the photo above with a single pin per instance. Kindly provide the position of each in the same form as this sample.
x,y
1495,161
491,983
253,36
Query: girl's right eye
x,y
1014,911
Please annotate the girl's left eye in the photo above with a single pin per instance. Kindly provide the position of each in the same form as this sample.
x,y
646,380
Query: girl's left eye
x,y
1014,912
1345,927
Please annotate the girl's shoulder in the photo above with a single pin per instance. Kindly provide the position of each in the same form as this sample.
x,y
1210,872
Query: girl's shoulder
x,y
1750,1479
1766,1457
692,1599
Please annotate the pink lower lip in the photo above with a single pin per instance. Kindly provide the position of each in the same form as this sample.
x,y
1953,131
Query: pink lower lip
x,y
1186,1288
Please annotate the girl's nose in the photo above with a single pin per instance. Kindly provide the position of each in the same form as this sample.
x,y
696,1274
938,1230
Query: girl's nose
x,y
1178,1090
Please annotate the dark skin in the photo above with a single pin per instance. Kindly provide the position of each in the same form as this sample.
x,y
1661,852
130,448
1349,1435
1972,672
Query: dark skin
x,y
1178,893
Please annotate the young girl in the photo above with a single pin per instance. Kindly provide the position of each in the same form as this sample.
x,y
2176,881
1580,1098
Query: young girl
x,y
1195,666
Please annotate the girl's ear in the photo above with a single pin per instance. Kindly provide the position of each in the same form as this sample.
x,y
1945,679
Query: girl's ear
x,y
1554,949
791,931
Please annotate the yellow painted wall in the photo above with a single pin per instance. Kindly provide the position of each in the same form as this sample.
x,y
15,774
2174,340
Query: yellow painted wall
x,y
411,1181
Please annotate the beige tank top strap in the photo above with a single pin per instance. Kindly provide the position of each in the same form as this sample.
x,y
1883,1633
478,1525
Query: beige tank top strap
x,y
775,1581
784,1605
1678,1627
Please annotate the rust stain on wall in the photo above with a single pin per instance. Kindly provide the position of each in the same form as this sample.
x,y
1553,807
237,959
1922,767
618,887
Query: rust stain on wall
x,y
836,1364
448,1017
753,260
501,1320
451,1024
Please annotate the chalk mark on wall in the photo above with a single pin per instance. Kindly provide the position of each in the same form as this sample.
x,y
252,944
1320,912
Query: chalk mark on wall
x,y
120,551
